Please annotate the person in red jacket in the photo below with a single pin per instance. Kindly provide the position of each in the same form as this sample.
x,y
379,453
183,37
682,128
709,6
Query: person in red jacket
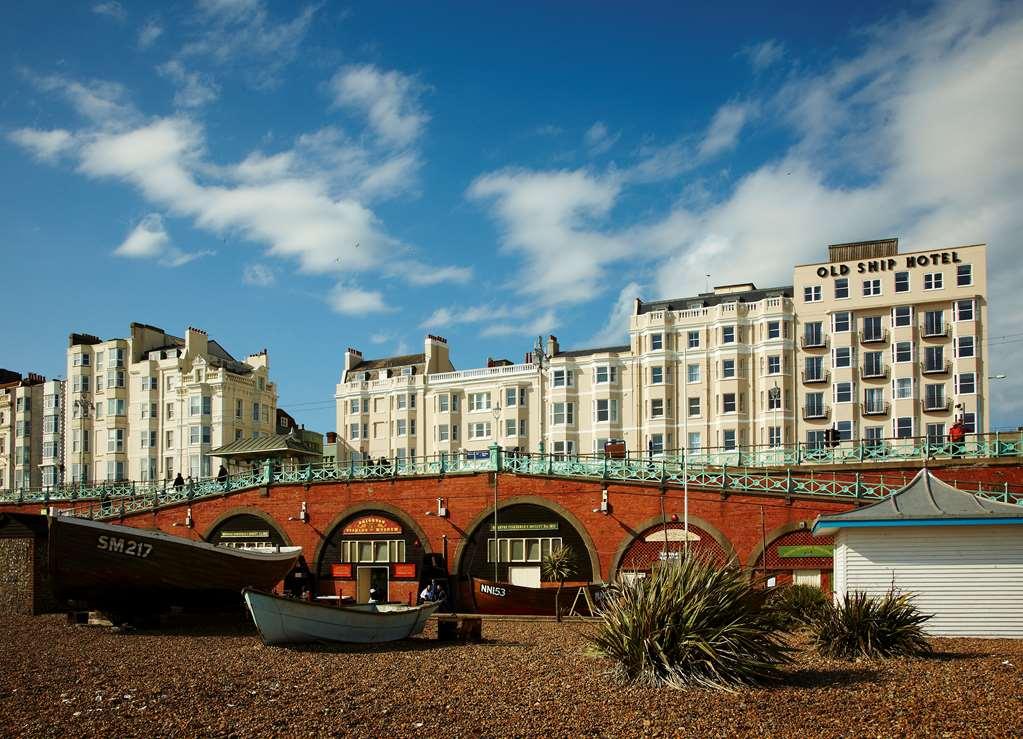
x,y
956,435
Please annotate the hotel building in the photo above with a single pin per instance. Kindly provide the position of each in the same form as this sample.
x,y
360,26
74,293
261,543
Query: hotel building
x,y
152,405
25,420
873,343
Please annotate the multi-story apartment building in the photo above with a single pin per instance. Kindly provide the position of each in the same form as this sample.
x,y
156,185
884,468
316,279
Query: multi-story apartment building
x,y
21,429
51,460
151,405
892,346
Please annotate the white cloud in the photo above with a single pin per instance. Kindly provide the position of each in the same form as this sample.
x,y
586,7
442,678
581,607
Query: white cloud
x,y
616,329
258,275
765,54
104,103
380,338
194,89
723,132
149,33
537,326
111,9
598,139
389,100
450,316
149,240
423,274
354,301
44,145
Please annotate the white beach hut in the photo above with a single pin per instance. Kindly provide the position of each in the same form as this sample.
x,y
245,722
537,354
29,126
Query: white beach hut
x,y
960,555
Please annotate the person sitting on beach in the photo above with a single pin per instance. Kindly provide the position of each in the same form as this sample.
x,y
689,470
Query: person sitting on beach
x,y
372,596
429,593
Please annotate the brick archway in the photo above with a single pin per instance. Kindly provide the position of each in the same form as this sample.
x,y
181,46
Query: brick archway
x,y
775,533
455,566
247,511
364,507
655,522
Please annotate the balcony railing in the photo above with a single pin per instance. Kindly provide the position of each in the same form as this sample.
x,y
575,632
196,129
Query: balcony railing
x,y
813,342
811,412
937,405
937,368
875,373
816,378
874,337
875,409
937,331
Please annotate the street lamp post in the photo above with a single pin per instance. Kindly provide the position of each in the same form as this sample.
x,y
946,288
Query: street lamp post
x,y
497,457
542,362
84,405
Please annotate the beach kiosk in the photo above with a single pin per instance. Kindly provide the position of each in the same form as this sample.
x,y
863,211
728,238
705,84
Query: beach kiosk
x,y
960,555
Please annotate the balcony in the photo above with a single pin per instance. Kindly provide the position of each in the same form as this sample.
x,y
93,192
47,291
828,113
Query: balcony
x,y
874,373
875,337
816,379
937,368
813,412
935,331
938,405
813,342
879,408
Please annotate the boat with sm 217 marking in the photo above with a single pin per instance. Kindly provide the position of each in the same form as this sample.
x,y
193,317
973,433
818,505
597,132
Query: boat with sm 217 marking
x,y
125,569
290,621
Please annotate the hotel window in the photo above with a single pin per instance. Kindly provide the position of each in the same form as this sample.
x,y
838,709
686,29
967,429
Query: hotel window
x,y
23,428
841,288
774,436
353,405
840,321
511,397
728,437
605,374
522,427
522,550
774,365
510,427
873,435
694,406
401,402
728,403
401,427
774,399
115,470
842,356
902,388
563,449
964,310
813,368
934,323
99,410
656,342
657,408
872,328
812,294
965,346
353,431
966,383
970,422
605,410
115,440
442,403
933,281
479,401
656,375
207,434
934,396
562,414
843,392
169,439
115,407
693,338
934,359
935,433
873,364
115,378
902,282
655,443
728,334
873,400
454,404
774,329
813,333
693,373
964,275
727,368
117,357
844,429
694,441
902,351
904,427
238,435
193,434
255,412
561,378
479,430
871,287
442,432
902,316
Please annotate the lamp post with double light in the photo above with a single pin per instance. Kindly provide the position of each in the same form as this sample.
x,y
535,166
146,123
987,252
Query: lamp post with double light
x,y
497,474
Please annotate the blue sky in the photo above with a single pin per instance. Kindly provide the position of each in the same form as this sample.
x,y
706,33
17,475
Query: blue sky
x,y
306,177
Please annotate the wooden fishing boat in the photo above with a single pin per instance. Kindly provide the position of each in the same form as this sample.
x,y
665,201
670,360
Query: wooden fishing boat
x,y
501,598
123,569
288,621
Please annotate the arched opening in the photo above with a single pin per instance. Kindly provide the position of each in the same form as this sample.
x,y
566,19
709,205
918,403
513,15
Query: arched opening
x,y
797,557
371,554
247,530
661,543
527,530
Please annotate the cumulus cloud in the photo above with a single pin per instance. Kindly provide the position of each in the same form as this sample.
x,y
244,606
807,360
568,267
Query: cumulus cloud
x,y
46,146
539,325
616,329
149,240
450,316
723,132
388,99
193,89
149,33
354,301
765,54
102,102
258,275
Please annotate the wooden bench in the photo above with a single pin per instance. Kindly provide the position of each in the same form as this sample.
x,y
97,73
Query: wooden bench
x,y
459,627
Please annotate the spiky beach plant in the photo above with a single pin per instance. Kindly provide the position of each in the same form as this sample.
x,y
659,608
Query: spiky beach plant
x,y
559,565
691,624
859,625
794,606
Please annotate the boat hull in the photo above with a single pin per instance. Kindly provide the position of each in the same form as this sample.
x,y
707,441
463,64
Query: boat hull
x,y
289,621
499,598
127,569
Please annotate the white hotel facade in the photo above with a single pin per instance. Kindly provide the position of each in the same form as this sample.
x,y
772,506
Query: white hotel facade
x,y
873,343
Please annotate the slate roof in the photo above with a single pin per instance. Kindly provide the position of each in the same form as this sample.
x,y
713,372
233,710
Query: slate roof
x,y
403,360
708,299
925,498
265,446
599,350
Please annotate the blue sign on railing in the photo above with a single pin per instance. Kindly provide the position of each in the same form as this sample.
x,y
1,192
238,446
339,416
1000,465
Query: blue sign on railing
x,y
478,454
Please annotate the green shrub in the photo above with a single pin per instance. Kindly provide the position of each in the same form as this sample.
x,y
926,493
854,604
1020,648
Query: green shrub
x,y
793,606
690,624
862,626
559,565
